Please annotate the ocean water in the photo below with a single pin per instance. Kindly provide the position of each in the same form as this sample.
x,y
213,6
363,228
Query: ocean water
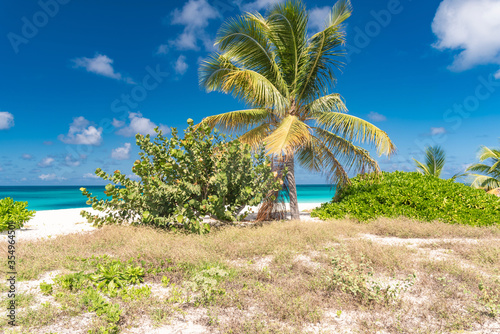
x,y
69,197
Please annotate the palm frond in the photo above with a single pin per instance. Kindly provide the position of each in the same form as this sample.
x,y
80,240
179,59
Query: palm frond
x,y
245,40
341,11
289,135
422,168
435,158
237,120
481,168
213,70
330,102
323,53
350,155
287,24
256,136
486,153
316,156
255,89
355,128
219,73
484,182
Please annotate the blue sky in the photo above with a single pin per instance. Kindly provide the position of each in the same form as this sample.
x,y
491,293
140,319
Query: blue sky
x,y
81,77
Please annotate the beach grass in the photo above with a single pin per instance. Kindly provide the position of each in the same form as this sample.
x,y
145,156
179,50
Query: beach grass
x,y
281,277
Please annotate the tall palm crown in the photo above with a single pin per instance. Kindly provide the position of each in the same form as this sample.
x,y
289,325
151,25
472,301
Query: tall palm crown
x,y
435,158
284,76
489,177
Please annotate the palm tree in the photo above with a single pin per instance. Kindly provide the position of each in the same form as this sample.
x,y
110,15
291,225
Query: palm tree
x,y
435,157
490,174
283,76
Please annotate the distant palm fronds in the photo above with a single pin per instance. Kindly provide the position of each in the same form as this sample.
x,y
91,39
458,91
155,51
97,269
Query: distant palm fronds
x,y
435,158
489,174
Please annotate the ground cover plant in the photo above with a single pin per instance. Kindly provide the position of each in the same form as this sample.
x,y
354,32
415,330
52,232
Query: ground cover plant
x,y
412,195
181,180
395,276
13,215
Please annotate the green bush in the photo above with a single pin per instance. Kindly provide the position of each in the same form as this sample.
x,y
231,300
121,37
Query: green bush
x,y
14,214
357,280
182,180
412,195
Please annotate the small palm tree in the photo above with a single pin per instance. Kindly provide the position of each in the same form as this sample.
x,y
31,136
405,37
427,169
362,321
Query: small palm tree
x,y
283,75
490,173
435,158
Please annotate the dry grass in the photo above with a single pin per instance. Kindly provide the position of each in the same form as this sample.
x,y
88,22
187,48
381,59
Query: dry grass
x,y
281,278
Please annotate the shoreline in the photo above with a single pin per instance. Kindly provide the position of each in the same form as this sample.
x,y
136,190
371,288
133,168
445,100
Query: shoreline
x,y
51,223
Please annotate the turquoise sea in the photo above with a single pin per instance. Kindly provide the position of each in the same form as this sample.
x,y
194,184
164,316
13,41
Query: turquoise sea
x,y
68,197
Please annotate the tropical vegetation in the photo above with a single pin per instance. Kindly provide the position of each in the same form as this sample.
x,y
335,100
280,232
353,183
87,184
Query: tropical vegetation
x,y
13,215
283,72
178,181
412,195
486,173
435,158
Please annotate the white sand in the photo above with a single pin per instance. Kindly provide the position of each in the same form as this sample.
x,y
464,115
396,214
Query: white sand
x,y
50,223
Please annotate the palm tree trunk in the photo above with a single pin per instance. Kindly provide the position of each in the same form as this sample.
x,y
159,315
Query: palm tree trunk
x,y
292,188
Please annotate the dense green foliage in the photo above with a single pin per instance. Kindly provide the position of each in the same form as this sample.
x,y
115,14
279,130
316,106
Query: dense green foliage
x,y
14,214
111,280
182,180
413,195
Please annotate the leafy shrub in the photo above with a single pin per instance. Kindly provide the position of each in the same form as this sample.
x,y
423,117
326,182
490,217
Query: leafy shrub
x,y
357,281
205,282
115,275
72,282
183,180
109,312
46,288
135,293
412,195
14,214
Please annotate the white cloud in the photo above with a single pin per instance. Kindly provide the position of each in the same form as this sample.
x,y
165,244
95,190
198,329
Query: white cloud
x,y
376,117
50,177
101,65
318,17
46,162
497,75
194,16
473,28
121,153
72,161
142,125
257,5
117,123
162,49
6,120
82,133
90,176
26,156
438,131
133,177
181,66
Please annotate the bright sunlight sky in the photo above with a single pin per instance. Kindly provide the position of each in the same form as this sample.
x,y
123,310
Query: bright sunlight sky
x,y
80,78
